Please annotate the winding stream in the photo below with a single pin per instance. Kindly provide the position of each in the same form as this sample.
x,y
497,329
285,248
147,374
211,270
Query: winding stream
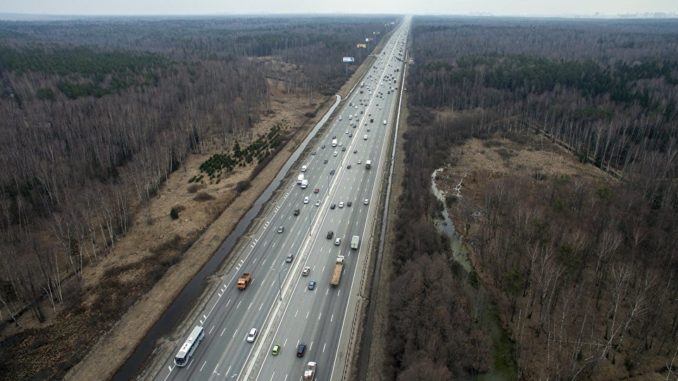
x,y
503,366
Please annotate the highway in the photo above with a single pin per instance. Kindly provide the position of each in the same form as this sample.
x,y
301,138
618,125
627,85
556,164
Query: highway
x,y
278,302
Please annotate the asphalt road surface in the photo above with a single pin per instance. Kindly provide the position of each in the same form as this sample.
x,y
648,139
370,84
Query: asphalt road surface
x,y
278,302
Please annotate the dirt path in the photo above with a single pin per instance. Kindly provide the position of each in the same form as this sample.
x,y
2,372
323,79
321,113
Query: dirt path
x,y
201,219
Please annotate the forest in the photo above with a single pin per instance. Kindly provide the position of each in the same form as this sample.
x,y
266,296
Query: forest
x,y
96,114
584,278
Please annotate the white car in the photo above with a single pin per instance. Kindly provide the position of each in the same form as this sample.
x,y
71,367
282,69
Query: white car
x,y
341,204
306,200
335,153
337,241
252,335
366,201
305,271
360,162
384,121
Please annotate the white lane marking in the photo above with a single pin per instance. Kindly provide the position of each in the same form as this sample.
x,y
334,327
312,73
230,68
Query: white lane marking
x,y
238,305
222,332
327,291
203,365
324,347
320,316
262,304
295,313
211,329
332,318
234,333
272,375
307,315
250,306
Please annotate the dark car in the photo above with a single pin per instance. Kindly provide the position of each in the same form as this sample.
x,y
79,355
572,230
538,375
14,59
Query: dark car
x,y
296,212
343,149
301,349
333,206
349,203
355,151
325,162
330,234
332,172
311,285
348,166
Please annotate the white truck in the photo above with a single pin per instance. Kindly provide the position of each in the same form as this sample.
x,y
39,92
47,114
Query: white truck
x,y
334,142
355,242
309,371
368,164
304,184
300,178
303,168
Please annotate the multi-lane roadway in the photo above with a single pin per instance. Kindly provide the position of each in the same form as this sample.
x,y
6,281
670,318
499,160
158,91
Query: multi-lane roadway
x,y
279,303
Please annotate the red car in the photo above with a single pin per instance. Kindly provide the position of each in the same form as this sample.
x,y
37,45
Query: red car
x,y
316,190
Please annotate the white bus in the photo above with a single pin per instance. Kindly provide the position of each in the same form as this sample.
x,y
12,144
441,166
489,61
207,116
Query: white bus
x,y
186,351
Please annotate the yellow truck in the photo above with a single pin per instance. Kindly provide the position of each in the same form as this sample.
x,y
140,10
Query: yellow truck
x,y
244,281
338,268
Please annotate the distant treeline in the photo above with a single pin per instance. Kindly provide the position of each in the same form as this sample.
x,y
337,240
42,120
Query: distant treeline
x,y
608,89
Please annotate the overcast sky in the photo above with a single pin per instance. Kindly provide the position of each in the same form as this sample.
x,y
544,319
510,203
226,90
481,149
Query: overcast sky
x,y
458,7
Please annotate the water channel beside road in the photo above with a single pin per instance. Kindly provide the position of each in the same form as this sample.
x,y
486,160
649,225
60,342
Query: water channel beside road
x,y
503,366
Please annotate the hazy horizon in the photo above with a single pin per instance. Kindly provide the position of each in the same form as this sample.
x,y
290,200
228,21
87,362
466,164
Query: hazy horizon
x,y
529,8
